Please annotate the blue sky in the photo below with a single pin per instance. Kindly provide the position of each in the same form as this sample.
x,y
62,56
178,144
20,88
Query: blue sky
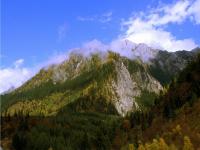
x,y
30,28
34,31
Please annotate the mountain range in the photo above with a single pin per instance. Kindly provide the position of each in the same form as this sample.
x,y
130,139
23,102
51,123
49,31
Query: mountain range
x,y
102,81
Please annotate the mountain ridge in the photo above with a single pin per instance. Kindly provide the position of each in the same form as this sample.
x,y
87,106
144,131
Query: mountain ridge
x,y
118,80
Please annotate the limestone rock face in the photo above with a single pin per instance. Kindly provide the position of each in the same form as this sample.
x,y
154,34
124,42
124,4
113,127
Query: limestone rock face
x,y
126,90
128,86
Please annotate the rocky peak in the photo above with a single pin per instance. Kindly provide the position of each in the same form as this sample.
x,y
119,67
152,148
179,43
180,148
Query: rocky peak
x,y
144,52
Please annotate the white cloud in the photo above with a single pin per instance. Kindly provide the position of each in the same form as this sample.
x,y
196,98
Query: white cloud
x,y
94,45
18,63
56,58
150,28
174,13
103,18
125,48
195,10
13,77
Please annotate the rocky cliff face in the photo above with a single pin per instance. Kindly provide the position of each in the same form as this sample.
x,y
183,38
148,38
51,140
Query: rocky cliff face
x,y
166,65
126,90
128,86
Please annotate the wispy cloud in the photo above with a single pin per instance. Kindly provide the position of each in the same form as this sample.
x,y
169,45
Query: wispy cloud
x,y
62,31
81,18
14,76
56,58
18,63
103,18
149,27
106,17
195,11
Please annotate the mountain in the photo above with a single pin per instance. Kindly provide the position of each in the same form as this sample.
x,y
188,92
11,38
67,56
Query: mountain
x,y
103,81
114,80
166,65
171,122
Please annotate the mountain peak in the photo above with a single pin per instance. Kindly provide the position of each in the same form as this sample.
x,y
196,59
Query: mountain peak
x,y
144,52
